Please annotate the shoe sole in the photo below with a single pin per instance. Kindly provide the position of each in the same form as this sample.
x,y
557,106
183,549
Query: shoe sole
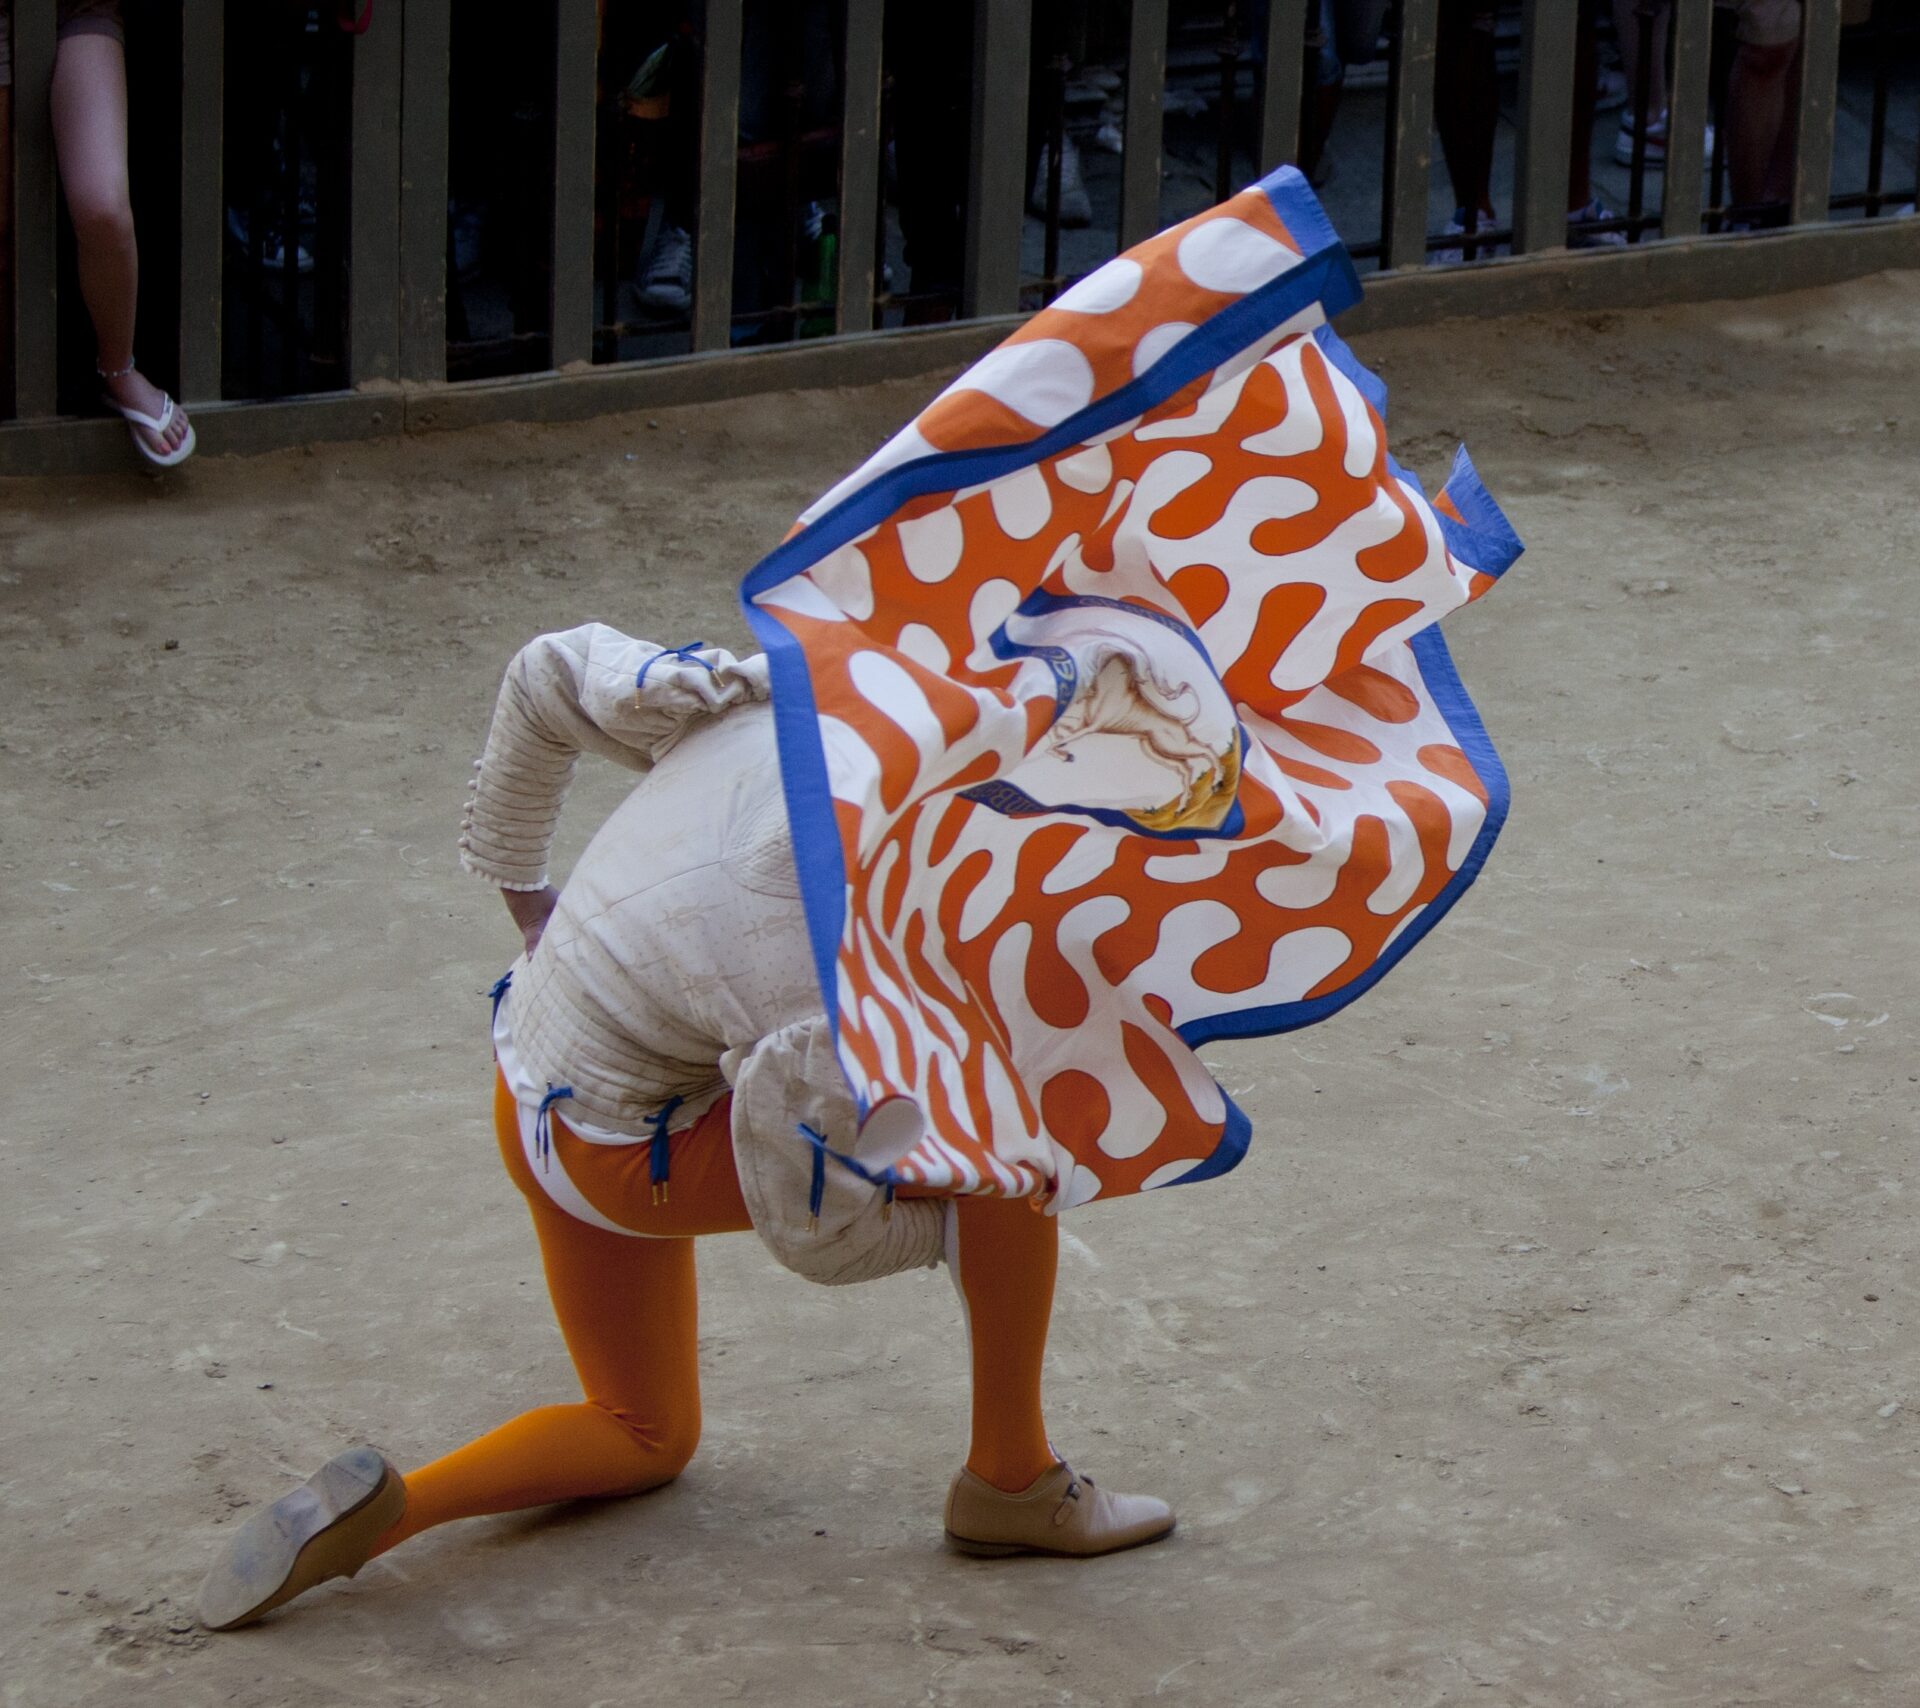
x,y
323,1529
1005,1550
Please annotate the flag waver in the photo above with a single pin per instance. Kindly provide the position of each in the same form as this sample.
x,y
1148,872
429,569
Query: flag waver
x,y
1112,718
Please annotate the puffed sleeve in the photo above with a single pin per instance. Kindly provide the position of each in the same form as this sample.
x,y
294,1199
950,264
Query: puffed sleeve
x,y
585,690
816,1216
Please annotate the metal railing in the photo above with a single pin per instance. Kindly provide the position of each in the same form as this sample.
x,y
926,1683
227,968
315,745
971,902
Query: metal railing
x,y
386,245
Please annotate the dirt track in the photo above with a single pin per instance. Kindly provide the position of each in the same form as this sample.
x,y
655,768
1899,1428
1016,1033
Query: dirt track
x,y
1554,1345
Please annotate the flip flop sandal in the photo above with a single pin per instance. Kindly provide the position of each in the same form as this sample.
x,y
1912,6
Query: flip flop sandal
x,y
157,425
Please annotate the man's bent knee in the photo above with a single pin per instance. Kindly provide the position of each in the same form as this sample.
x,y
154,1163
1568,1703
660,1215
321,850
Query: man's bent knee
x,y
668,1440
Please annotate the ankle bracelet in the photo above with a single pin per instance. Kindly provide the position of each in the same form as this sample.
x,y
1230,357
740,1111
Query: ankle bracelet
x,y
118,374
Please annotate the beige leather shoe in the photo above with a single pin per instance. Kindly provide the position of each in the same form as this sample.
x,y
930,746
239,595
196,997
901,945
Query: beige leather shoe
x,y
1062,1513
324,1529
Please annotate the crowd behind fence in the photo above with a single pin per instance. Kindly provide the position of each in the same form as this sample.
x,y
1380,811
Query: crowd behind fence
x,y
366,193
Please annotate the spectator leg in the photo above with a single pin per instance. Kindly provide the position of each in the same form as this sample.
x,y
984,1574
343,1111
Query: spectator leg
x,y
931,58
1467,100
1325,108
1626,26
89,106
680,145
1329,82
1759,127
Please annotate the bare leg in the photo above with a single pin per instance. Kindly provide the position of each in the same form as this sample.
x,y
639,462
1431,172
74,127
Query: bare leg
x,y
89,103
1626,25
1758,130
1467,101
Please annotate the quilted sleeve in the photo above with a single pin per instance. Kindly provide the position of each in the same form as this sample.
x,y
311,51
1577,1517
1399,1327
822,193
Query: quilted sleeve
x,y
585,690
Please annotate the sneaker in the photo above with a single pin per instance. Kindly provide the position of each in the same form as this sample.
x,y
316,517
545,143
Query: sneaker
x,y
1457,227
1656,143
273,248
1610,90
1076,211
666,272
273,254
1594,211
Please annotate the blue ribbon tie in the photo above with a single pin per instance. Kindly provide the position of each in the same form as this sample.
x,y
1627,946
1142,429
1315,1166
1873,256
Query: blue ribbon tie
x,y
687,654
659,1151
543,1123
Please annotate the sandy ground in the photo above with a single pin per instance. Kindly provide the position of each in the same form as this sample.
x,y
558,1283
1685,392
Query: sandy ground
x,y
1553,1345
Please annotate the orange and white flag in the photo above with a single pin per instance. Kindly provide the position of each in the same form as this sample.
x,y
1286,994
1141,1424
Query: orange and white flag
x,y
1112,718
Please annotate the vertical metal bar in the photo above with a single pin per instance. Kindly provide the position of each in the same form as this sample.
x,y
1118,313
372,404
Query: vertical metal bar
x,y
1386,141
881,289
719,166
202,195
1717,197
1686,117
1877,126
608,260
1227,53
373,242
424,106
859,168
1410,136
996,192
255,381
576,55
1282,78
287,222
1056,157
1642,115
784,323
1146,79
1818,96
329,151
1548,47
35,218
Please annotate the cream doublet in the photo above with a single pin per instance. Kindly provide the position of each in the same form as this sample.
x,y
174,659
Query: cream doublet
x,y
679,936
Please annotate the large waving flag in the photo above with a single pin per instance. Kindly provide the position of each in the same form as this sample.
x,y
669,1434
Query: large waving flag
x,y
1112,719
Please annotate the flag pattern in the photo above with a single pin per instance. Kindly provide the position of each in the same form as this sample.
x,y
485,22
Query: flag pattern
x,y
1113,720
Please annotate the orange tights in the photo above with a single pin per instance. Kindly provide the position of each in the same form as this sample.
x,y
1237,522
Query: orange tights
x,y
628,1309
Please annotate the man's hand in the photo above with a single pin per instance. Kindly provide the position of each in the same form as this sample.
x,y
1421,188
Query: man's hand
x,y
531,909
